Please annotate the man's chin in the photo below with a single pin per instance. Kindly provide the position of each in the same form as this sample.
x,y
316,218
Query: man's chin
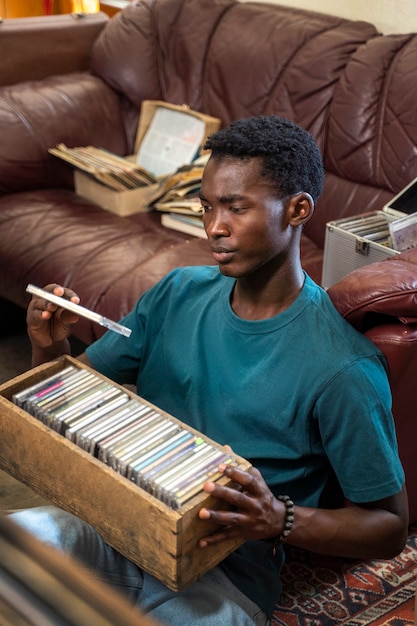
x,y
228,269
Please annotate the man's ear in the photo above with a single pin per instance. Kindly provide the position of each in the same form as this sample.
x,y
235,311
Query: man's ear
x,y
300,208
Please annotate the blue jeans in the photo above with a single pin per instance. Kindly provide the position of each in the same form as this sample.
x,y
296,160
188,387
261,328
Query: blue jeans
x,y
210,601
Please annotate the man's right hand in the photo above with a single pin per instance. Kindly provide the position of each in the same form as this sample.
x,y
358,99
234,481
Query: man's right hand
x,y
49,325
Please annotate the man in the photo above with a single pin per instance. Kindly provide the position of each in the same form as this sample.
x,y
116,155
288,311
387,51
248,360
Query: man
x,y
252,353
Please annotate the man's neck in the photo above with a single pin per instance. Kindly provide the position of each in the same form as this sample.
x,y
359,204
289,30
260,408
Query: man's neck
x,y
255,300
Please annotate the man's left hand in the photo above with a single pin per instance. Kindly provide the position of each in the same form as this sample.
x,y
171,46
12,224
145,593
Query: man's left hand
x,y
255,512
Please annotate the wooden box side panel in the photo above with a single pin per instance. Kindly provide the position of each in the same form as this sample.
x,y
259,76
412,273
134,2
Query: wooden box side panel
x,y
134,523
193,529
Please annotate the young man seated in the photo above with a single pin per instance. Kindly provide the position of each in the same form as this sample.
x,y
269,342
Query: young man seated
x,y
251,352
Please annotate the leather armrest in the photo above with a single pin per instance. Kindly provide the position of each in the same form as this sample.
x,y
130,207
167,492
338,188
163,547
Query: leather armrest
x,y
376,293
36,47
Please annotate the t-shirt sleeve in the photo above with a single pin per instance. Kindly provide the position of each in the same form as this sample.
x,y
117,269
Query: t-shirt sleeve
x,y
358,432
116,356
119,357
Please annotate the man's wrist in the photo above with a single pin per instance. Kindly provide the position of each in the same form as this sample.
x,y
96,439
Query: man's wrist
x,y
44,354
288,523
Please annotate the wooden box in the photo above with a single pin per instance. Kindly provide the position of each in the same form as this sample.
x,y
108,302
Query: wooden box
x,y
124,203
162,540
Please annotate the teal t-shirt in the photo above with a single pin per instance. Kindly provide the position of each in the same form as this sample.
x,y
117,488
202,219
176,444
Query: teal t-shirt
x,y
296,394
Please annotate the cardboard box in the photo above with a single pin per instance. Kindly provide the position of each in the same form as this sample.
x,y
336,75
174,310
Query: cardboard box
x,y
350,245
149,107
156,537
122,203
125,203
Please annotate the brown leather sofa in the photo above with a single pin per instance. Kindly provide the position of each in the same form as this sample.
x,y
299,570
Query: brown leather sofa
x,y
81,79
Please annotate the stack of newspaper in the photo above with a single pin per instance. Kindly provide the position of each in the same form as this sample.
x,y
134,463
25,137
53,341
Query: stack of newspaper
x,y
178,200
111,170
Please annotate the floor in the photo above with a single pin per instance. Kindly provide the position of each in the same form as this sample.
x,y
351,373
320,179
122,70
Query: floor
x,y
15,352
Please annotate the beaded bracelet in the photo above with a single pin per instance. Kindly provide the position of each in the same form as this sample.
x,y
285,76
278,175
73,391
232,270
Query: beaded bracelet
x,y
288,523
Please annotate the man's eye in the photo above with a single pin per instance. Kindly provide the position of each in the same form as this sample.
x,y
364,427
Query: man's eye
x,y
205,207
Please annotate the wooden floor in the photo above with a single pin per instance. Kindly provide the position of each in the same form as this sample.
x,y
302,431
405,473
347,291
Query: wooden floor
x,y
15,495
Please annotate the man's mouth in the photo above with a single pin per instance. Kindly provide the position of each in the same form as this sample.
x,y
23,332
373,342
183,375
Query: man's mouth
x,y
222,255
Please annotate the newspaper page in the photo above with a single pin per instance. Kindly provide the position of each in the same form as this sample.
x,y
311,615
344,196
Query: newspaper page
x,y
173,139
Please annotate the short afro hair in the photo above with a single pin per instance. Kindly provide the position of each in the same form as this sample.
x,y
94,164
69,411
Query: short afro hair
x,y
291,157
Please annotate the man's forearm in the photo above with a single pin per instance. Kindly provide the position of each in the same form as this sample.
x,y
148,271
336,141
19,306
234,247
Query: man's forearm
x,y
353,532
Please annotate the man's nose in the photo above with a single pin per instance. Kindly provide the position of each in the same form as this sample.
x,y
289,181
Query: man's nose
x,y
216,224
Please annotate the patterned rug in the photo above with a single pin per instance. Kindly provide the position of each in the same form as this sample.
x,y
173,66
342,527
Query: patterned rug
x,y
326,591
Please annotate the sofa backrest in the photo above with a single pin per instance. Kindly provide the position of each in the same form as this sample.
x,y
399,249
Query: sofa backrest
x,y
371,146
352,88
230,59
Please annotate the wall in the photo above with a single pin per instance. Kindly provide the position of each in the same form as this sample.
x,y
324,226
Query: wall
x,y
389,16
23,8
33,8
